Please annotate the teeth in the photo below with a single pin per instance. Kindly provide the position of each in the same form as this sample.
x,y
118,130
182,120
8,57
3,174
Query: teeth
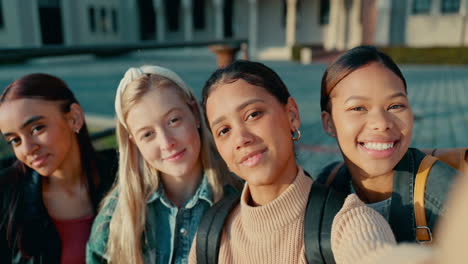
x,y
378,146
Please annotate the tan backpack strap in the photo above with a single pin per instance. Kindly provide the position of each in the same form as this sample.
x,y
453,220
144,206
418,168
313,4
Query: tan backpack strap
x,y
423,232
333,173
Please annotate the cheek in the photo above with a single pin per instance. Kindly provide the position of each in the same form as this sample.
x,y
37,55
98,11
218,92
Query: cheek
x,y
223,149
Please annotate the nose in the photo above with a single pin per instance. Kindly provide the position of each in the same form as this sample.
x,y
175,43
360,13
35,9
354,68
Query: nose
x,y
29,146
381,121
167,140
243,137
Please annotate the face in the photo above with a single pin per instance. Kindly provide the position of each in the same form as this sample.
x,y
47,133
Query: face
x,y
252,131
42,137
371,119
164,128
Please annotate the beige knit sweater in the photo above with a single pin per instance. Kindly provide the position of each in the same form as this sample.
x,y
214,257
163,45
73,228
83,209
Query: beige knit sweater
x,y
274,233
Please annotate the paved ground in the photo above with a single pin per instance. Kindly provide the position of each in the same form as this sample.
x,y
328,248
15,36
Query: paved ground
x,y
438,94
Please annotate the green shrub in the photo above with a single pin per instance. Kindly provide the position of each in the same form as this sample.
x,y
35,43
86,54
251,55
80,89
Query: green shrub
x,y
432,55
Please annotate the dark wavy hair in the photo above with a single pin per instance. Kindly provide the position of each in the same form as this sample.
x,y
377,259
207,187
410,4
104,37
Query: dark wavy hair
x,y
347,63
20,229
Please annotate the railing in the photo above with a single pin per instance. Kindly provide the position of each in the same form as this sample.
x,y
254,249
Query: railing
x,y
9,55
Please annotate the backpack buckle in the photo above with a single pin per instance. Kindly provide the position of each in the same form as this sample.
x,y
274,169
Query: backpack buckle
x,y
423,235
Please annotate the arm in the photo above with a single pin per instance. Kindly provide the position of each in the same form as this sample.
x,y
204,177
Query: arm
x,y
358,231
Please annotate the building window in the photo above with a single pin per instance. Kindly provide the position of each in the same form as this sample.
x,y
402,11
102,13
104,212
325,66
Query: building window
x,y
421,6
103,20
324,16
115,23
172,14
92,19
199,14
450,6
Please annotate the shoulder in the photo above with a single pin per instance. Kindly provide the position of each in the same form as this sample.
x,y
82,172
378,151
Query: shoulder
x,y
439,181
100,230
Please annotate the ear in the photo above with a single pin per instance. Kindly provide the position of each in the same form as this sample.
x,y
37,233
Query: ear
x,y
75,117
293,112
327,124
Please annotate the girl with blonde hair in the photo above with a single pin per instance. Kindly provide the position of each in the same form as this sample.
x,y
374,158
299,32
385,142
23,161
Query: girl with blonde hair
x,y
169,174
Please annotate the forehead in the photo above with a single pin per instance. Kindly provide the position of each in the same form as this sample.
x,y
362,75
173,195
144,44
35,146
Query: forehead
x,y
226,97
373,79
155,104
14,113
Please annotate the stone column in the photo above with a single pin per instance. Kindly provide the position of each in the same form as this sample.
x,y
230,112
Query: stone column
x,y
253,29
219,21
188,19
160,20
291,16
464,21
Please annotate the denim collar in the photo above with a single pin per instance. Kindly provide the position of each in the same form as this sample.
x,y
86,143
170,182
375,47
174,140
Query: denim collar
x,y
203,192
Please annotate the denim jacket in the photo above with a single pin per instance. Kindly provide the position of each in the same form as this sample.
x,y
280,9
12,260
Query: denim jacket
x,y
401,218
169,230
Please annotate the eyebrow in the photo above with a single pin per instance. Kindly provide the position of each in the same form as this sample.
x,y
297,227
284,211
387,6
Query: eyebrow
x,y
26,123
357,97
238,108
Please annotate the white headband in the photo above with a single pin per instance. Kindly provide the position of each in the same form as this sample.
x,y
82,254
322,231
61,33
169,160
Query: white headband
x,y
134,73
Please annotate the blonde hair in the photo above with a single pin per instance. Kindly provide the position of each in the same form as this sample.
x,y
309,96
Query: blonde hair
x,y
137,179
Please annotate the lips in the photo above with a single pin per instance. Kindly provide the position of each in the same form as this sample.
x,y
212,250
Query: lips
x,y
253,158
379,150
39,161
176,156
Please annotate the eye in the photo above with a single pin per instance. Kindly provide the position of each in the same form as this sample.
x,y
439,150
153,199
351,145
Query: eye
x,y
396,106
174,120
37,129
223,131
14,141
358,108
146,135
254,114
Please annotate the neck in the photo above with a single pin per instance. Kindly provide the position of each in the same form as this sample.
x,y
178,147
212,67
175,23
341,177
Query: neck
x,y
372,189
263,194
180,189
70,174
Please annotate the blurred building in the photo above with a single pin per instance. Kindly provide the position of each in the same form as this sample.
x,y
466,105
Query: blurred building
x,y
272,26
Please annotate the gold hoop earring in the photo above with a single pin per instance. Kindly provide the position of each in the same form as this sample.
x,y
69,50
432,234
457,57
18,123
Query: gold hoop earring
x,y
296,135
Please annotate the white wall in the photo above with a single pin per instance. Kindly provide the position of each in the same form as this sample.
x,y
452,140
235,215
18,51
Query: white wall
x,y
21,24
430,30
309,30
271,30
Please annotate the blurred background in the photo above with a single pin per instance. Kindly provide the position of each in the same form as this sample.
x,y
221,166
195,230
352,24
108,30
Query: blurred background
x,y
90,44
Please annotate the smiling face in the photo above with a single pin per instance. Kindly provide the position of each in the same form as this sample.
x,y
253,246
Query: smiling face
x,y
252,131
371,119
164,129
42,137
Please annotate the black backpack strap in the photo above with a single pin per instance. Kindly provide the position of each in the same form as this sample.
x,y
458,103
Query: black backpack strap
x,y
313,221
322,206
211,227
333,204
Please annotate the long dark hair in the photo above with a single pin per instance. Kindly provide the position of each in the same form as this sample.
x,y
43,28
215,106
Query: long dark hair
x,y
48,88
347,63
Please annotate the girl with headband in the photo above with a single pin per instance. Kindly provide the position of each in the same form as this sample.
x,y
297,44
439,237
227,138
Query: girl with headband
x,y
169,173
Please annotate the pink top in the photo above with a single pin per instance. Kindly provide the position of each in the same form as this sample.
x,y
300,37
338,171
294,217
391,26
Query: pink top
x,y
74,234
